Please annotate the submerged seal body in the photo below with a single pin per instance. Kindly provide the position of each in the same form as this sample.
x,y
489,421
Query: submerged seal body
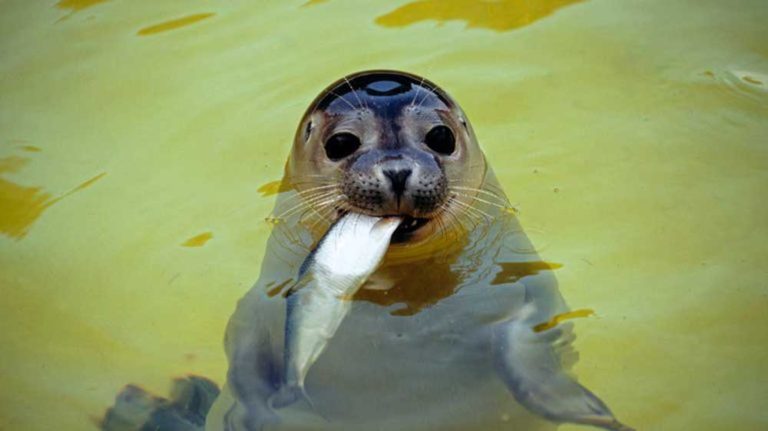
x,y
441,335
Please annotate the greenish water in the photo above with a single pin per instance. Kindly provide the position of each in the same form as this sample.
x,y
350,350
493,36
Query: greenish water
x,y
134,138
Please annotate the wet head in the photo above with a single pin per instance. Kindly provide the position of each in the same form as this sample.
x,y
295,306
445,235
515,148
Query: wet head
x,y
387,143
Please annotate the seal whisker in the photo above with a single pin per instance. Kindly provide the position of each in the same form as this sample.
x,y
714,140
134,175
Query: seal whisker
x,y
493,198
324,215
468,217
363,105
319,213
418,88
313,189
310,193
450,211
312,182
486,188
303,196
471,208
311,177
304,204
460,228
482,191
426,94
343,99
475,198
442,229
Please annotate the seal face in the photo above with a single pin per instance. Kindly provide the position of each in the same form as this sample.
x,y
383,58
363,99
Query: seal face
x,y
387,143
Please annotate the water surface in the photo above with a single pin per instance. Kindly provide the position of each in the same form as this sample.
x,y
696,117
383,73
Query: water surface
x,y
134,138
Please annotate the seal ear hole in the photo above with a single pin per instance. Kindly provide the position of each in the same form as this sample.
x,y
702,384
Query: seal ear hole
x,y
441,140
341,145
307,131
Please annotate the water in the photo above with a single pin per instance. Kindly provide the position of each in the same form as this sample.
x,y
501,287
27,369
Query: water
x,y
134,139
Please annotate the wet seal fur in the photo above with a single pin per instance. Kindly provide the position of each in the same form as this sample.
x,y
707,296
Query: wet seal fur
x,y
441,336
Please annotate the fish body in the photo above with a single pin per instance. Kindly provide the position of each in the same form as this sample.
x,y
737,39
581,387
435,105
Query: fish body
x,y
316,305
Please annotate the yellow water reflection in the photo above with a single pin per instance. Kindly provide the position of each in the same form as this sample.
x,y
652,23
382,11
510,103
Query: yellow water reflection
x,y
412,291
273,187
174,24
513,271
78,5
21,206
651,125
585,312
198,240
314,2
501,15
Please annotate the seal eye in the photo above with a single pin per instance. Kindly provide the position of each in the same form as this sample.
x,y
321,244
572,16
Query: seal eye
x,y
441,140
341,145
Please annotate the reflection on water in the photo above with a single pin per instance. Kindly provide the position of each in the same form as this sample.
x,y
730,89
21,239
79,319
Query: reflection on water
x,y
554,321
411,290
648,117
198,240
78,5
273,187
501,15
513,271
173,24
21,206
314,2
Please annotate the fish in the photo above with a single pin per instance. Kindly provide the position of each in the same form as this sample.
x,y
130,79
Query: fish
x,y
316,305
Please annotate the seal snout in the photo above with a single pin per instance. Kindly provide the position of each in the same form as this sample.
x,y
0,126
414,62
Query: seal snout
x,y
399,185
397,180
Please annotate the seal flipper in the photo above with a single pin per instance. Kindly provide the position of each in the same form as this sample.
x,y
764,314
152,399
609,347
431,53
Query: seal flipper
x,y
136,409
531,367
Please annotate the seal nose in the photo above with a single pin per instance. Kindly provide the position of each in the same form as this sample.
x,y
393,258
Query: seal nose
x,y
398,178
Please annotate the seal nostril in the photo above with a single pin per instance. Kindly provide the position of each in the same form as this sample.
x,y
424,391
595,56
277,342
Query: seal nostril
x,y
398,179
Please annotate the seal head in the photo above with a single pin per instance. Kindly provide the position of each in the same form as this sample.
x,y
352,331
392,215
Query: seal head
x,y
386,143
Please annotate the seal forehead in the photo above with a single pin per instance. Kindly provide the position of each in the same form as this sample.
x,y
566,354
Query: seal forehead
x,y
385,92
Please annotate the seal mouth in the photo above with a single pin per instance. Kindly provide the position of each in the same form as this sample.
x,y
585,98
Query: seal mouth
x,y
407,227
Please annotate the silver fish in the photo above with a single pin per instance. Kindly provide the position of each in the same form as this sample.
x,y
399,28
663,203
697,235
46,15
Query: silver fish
x,y
340,264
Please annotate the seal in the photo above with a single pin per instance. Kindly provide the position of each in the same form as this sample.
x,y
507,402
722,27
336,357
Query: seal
x,y
450,332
